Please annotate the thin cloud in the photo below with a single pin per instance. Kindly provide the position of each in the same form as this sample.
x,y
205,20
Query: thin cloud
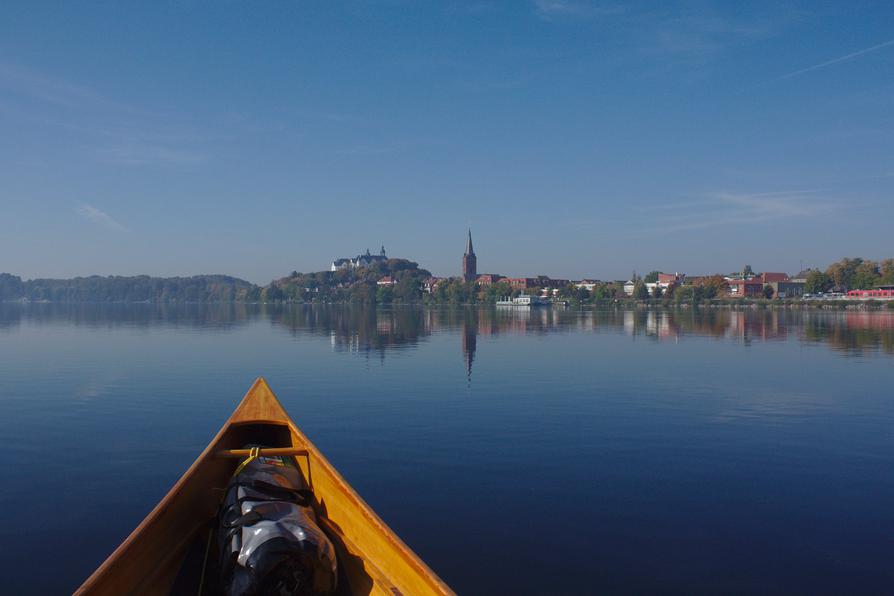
x,y
136,154
838,60
113,132
99,217
704,35
34,84
366,150
550,9
728,208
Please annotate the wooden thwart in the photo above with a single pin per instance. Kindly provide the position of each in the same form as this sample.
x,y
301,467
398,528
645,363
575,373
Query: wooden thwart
x,y
263,452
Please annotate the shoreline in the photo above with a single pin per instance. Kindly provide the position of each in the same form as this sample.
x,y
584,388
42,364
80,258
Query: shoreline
x,y
736,304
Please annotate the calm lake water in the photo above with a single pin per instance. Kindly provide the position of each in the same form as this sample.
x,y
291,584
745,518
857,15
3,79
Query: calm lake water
x,y
517,452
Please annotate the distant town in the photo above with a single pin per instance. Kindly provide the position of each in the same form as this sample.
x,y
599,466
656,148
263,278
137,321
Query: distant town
x,y
850,278
379,279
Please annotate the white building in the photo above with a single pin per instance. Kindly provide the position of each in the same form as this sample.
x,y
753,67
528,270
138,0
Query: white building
x,y
364,260
586,284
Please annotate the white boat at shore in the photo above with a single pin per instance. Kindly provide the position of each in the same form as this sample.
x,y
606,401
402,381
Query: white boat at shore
x,y
523,300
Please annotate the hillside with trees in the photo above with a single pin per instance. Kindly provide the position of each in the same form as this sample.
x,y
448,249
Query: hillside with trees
x,y
138,288
358,285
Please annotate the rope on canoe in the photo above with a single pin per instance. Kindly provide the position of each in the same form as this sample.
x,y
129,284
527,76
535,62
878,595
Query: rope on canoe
x,y
252,455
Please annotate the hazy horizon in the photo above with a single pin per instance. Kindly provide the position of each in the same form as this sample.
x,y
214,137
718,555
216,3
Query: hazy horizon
x,y
576,139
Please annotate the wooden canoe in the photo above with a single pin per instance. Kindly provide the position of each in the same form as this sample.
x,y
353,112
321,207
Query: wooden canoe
x,y
152,560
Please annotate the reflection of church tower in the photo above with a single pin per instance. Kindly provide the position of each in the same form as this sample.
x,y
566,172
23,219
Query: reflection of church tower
x,y
470,340
470,261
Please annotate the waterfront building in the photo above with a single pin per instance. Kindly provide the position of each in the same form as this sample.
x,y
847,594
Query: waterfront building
x,y
667,280
783,285
470,261
879,293
745,288
770,277
787,289
386,281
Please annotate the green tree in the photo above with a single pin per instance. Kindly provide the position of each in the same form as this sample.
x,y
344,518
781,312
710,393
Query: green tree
x,y
768,292
843,272
640,291
818,282
684,294
651,276
712,287
670,290
384,295
407,289
11,287
866,276
456,292
440,292
363,293
886,270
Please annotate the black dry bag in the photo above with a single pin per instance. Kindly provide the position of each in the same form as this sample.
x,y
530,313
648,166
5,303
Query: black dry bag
x,y
268,536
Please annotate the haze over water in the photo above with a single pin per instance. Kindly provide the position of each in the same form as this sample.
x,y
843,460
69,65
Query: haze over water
x,y
516,451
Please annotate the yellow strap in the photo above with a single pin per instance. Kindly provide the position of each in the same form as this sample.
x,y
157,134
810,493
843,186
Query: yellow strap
x,y
253,454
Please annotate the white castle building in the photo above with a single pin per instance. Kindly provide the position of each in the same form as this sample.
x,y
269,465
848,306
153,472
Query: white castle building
x,y
364,260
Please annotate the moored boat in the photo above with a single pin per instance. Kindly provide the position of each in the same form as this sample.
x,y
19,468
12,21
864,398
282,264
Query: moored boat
x,y
168,552
523,300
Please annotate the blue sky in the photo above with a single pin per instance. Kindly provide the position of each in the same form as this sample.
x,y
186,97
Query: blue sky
x,y
575,138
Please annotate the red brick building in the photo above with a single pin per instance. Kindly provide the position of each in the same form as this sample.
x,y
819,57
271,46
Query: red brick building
x,y
769,278
521,283
745,288
666,279
487,279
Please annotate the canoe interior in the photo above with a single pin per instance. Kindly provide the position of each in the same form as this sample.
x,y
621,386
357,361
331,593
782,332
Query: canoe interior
x,y
189,577
163,555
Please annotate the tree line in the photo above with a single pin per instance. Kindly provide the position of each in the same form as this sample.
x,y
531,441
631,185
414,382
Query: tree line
x,y
362,286
138,288
850,274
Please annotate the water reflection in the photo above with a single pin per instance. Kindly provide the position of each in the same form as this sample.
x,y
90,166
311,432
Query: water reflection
x,y
376,332
217,316
470,341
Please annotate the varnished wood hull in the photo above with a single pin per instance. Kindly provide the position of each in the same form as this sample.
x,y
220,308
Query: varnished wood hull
x,y
372,558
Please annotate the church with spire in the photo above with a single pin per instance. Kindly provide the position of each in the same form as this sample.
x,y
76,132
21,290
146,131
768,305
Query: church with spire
x,y
470,261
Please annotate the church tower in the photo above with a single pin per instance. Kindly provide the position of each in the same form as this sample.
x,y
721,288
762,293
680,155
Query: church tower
x,y
470,261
